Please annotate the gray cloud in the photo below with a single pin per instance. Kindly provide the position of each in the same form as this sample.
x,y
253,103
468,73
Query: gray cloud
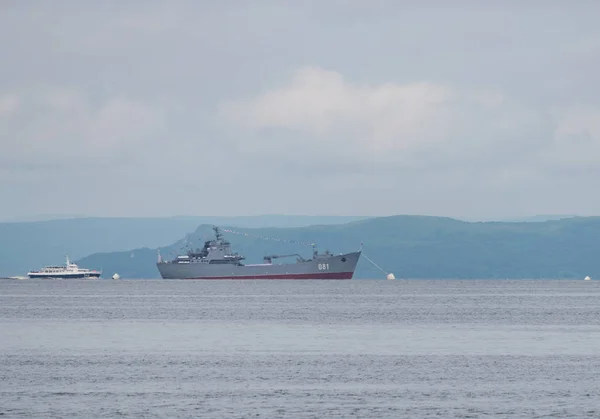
x,y
201,107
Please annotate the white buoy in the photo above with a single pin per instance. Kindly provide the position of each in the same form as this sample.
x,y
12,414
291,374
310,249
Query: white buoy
x,y
116,277
587,278
389,276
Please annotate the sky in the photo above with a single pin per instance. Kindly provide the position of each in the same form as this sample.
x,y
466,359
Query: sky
x,y
325,107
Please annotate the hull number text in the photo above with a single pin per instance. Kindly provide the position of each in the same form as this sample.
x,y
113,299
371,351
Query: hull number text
x,y
323,266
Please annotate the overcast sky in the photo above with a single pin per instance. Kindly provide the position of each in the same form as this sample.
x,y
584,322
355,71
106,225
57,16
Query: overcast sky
x,y
373,107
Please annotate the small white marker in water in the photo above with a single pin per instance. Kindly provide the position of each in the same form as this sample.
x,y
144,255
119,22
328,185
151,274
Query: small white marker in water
x,y
390,277
116,277
587,278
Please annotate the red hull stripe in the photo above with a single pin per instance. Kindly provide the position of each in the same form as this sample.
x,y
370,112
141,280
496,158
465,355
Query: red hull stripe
x,y
328,275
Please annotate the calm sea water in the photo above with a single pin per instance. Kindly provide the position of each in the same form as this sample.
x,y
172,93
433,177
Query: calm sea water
x,y
299,349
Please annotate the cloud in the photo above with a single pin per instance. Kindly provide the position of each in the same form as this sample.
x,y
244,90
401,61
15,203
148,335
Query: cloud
x,y
428,107
8,105
576,142
420,125
61,127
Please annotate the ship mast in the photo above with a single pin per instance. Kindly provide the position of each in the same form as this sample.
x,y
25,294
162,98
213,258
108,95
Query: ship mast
x,y
218,233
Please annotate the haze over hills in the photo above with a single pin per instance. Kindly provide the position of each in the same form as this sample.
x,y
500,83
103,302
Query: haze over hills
x,y
536,218
31,245
272,220
42,217
408,246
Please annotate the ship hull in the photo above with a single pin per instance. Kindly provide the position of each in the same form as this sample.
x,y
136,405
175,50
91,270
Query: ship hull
x,y
338,267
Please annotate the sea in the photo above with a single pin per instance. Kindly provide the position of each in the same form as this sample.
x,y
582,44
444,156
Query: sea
x,y
299,349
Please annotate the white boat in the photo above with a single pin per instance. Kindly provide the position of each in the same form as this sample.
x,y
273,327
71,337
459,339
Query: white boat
x,y
69,271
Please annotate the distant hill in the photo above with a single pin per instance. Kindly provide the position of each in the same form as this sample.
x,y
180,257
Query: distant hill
x,y
31,245
41,217
539,218
410,247
524,219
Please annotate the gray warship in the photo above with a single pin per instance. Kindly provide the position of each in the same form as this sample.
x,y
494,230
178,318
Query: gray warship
x,y
216,261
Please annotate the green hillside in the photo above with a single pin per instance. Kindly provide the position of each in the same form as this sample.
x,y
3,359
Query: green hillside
x,y
410,247
31,245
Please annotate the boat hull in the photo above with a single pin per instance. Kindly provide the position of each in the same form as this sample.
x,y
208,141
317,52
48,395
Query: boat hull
x,y
338,267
